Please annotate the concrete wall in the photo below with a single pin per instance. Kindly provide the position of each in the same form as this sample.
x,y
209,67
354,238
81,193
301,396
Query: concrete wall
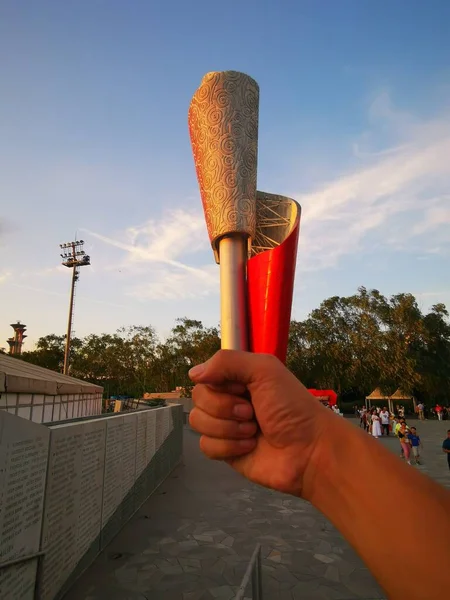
x,y
23,467
187,404
42,408
89,477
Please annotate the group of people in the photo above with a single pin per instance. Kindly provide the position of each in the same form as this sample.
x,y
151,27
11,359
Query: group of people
x,y
277,440
376,421
438,411
409,442
379,421
335,409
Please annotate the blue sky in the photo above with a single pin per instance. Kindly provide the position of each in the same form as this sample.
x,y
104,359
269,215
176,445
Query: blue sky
x,y
354,123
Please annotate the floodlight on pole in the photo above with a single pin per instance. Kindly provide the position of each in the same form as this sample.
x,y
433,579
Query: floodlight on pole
x,y
73,257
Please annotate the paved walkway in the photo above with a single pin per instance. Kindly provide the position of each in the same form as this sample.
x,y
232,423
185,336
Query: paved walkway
x,y
193,538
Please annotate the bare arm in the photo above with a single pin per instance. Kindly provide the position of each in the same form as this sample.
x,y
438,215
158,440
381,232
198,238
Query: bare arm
x,y
303,449
357,505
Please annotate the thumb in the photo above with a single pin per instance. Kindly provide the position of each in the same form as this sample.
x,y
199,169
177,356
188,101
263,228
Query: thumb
x,y
235,366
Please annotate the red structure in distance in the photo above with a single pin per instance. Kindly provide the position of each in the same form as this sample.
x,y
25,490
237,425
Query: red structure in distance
x,y
327,396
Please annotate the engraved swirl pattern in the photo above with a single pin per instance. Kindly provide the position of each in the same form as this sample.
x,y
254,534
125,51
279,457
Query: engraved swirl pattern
x,y
223,126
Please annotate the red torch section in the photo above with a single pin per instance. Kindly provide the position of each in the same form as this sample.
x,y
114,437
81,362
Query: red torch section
x,y
270,280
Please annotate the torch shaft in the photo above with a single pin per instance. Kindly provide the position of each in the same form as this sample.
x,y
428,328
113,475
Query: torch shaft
x,y
233,297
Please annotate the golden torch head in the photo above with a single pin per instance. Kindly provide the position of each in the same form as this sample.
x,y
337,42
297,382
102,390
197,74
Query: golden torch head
x,y
223,126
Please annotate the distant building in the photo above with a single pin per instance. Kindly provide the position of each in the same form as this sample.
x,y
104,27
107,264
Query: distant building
x,y
42,395
16,342
178,393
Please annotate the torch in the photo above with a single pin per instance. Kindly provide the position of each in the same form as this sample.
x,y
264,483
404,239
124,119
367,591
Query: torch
x,y
253,234
223,124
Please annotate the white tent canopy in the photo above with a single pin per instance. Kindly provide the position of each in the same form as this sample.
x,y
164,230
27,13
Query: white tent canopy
x,y
398,396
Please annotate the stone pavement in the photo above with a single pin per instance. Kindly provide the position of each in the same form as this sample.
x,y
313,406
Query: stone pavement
x,y
193,538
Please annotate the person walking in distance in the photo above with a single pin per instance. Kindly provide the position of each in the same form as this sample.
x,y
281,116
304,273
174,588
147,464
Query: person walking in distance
x,y
439,411
376,427
385,417
394,420
362,418
396,424
446,447
416,444
365,418
420,408
369,422
404,442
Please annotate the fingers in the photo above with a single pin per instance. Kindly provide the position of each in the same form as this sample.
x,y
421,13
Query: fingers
x,y
225,422
226,449
221,405
229,387
235,366
225,429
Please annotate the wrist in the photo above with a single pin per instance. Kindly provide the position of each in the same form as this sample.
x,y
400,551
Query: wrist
x,y
329,429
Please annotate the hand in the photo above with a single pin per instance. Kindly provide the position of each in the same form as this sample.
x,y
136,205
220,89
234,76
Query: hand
x,y
283,452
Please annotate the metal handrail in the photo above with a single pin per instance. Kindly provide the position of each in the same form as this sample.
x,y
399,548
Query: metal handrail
x,y
254,574
20,559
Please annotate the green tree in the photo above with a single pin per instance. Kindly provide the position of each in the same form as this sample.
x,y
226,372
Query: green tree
x,y
434,360
49,351
190,343
354,344
350,344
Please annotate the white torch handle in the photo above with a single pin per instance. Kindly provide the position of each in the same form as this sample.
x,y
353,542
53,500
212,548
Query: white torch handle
x,y
233,297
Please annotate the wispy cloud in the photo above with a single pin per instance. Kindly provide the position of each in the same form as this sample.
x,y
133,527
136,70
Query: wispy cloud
x,y
172,285
4,276
154,253
398,193
432,294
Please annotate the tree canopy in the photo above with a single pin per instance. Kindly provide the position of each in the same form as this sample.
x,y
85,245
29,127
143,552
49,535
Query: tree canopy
x,y
350,344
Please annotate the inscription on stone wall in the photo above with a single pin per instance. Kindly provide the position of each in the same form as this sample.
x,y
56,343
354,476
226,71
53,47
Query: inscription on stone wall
x,y
23,463
128,464
159,427
91,474
17,582
23,460
151,436
165,422
59,533
113,467
141,443
91,484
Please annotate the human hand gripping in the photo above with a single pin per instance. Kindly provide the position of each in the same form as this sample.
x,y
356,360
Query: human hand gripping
x,y
272,440
301,448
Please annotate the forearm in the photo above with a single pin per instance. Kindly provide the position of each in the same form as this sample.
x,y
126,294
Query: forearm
x,y
358,484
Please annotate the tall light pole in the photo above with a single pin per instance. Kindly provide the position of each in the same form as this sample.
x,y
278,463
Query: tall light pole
x,y
73,256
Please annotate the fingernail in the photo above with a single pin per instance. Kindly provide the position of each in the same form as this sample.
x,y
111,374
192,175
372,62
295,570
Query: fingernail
x,y
196,371
243,411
